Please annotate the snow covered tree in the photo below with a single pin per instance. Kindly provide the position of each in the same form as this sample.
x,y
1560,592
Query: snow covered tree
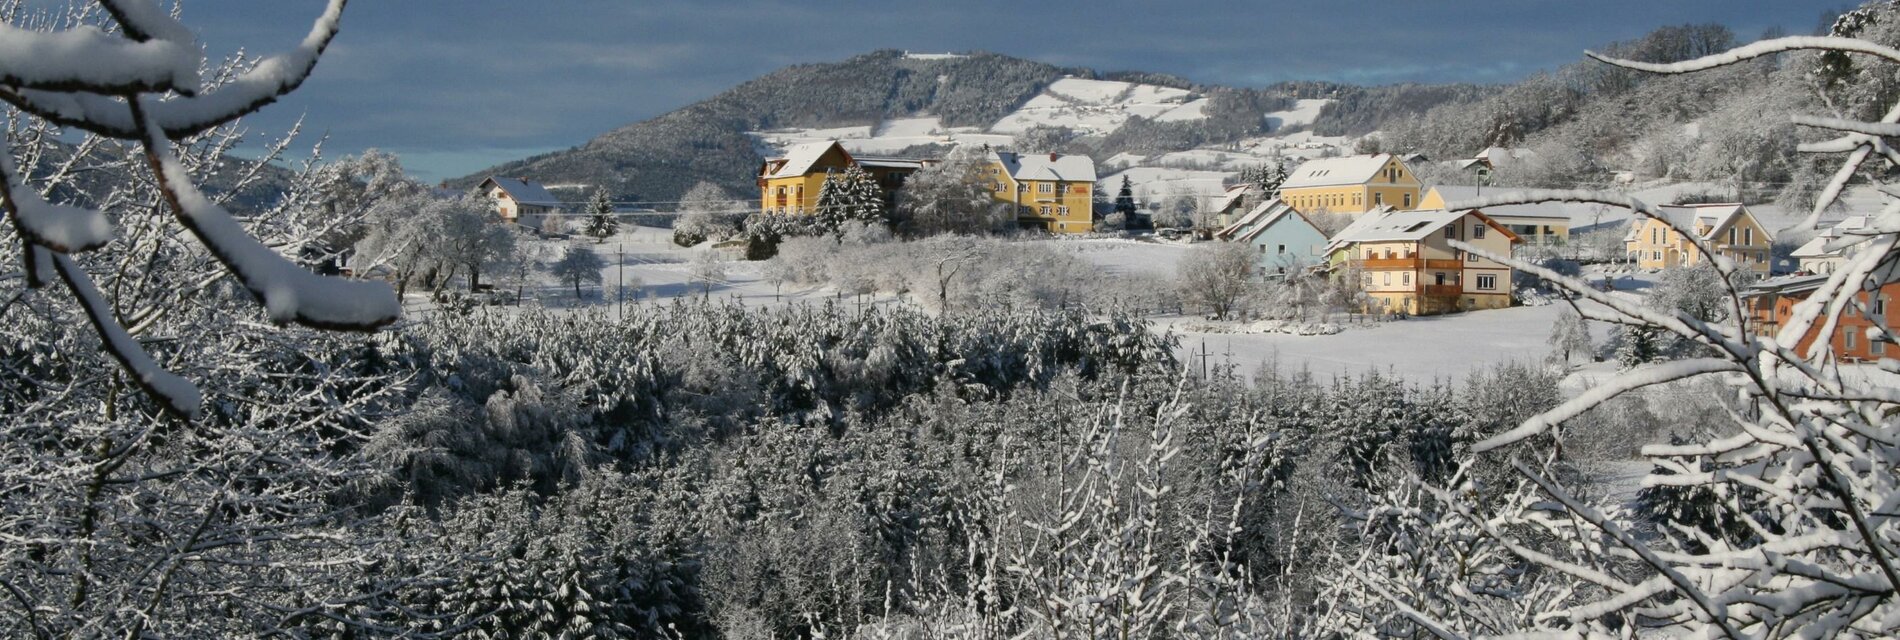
x,y
1218,277
467,241
601,223
142,84
850,196
580,265
950,197
709,268
1569,338
707,212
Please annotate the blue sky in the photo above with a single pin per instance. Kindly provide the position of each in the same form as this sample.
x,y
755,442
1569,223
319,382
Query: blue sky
x,y
457,85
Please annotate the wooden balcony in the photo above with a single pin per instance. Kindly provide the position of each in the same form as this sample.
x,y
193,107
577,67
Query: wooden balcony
x,y
1411,264
1440,290
1444,264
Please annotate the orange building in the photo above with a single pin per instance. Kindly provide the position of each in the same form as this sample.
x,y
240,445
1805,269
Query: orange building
x,y
1771,305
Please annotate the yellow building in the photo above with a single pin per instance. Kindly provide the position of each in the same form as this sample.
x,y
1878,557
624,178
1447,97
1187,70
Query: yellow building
x,y
1728,228
1544,223
1353,184
789,184
1051,192
1406,264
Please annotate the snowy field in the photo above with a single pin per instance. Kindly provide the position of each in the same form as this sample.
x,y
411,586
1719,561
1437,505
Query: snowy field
x,y
1419,349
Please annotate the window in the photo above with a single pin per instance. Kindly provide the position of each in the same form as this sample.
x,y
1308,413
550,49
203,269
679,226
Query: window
x,y
1655,255
1748,236
1062,211
1406,278
1020,187
1282,248
1368,279
1044,210
1731,235
1451,232
1388,277
1477,231
1880,306
1045,188
1847,338
1471,257
1408,201
1877,345
1263,248
1487,282
1655,235
1378,199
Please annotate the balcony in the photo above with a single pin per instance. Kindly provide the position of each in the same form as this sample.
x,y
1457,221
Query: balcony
x,y
1412,264
1440,290
1444,264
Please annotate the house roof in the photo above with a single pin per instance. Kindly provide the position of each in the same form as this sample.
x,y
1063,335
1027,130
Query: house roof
x,y
1499,156
1328,172
1047,166
525,191
1258,219
799,158
1786,284
1818,247
1233,195
1388,225
1455,193
1714,217
889,163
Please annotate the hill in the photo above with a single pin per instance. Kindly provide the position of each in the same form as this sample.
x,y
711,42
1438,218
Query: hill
x,y
888,102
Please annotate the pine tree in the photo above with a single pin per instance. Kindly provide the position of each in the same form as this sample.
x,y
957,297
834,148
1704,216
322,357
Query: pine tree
x,y
600,218
851,196
1640,346
1125,200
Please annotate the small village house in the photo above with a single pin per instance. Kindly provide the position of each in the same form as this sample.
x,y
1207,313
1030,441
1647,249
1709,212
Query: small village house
x,y
789,184
1771,305
1236,201
1352,184
1727,228
1542,224
1828,249
520,200
1049,191
1406,264
1284,242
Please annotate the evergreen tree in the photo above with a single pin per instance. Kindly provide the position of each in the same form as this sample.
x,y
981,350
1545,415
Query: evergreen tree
x,y
1125,200
600,217
850,196
1640,346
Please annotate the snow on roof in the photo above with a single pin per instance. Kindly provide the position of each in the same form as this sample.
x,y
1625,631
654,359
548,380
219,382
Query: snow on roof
x,y
1253,216
1458,193
1327,172
799,158
1399,225
1786,284
891,163
1499,156
525,191
1274,211
1234,194
1818,247
1047,166
1715,216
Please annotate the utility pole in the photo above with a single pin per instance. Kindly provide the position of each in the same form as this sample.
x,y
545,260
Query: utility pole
x,y
620,267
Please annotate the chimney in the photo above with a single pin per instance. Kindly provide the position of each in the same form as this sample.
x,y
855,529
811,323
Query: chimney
x,y
1053,156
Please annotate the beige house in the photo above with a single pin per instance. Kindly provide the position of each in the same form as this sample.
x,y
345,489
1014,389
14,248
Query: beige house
x,y
1537,224
1727,228
1406,264
1048,191
520,200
